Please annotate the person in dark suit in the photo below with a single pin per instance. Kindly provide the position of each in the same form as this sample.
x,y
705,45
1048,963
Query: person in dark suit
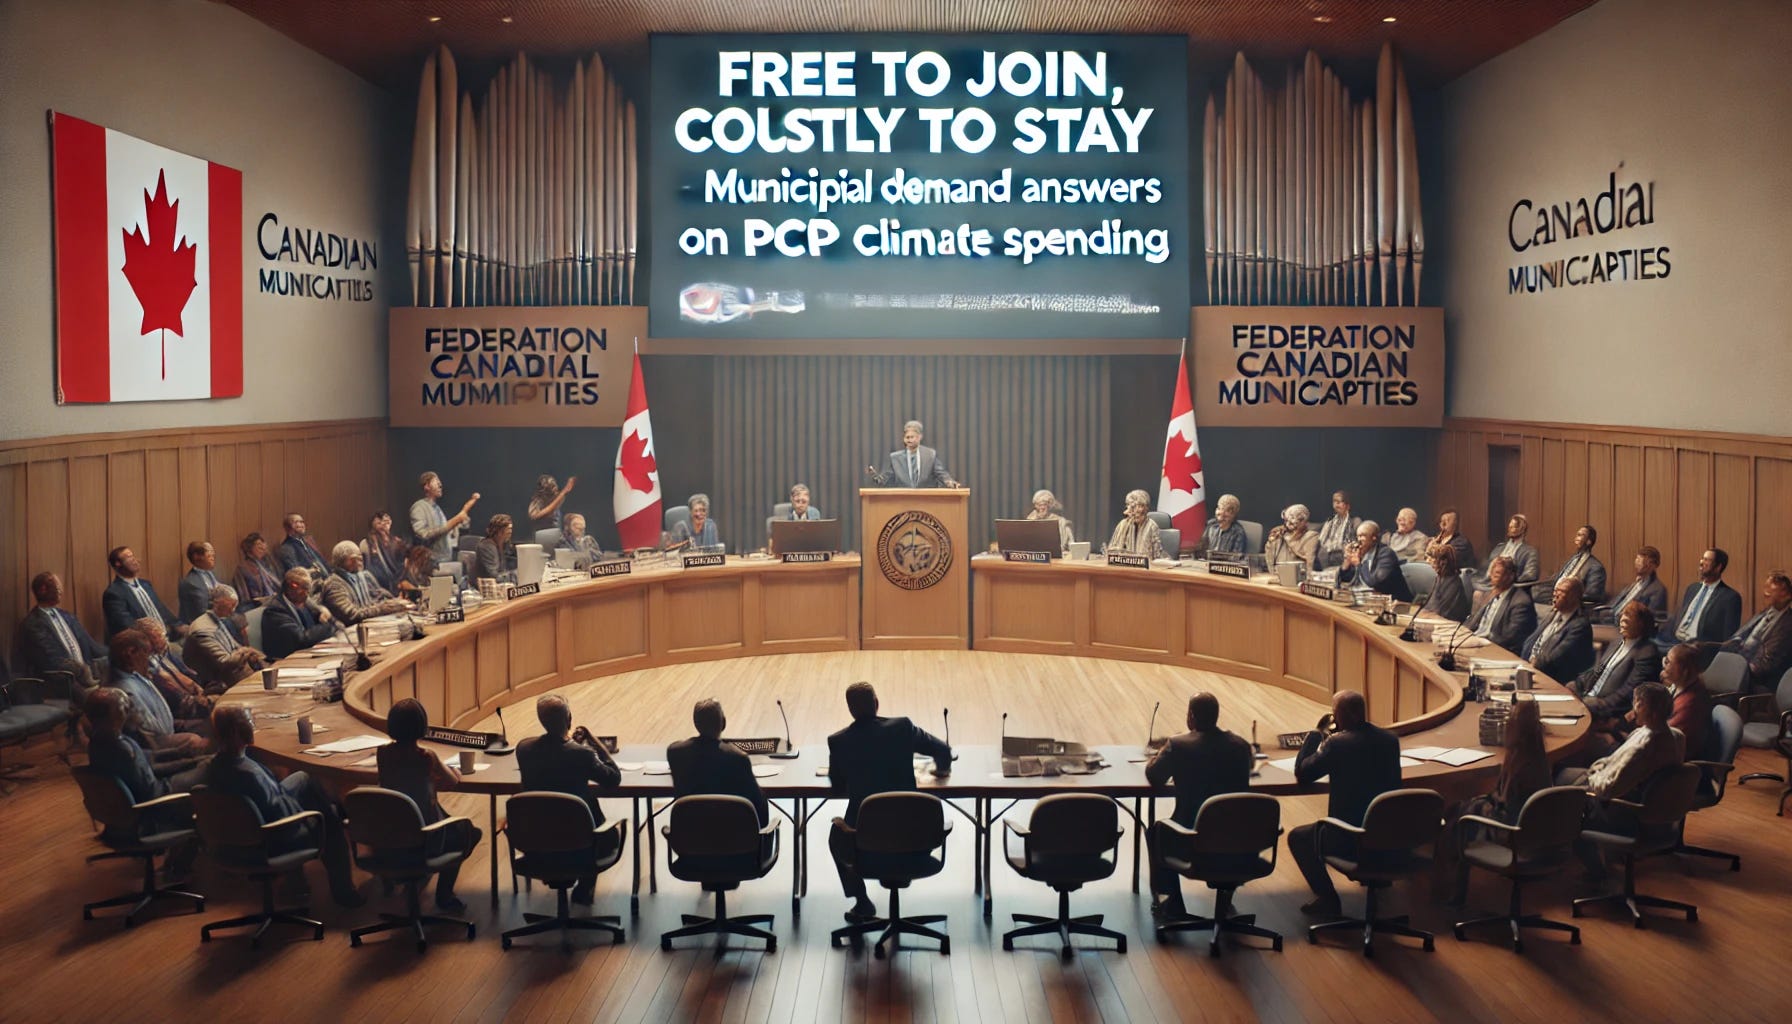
x,y
1508,617
913,465
1363,762
113,753
567,760
290,623
495,554
1449,531
1525,560
872,755
1765,641
1562,646
235,773
704,764
800,507
1582,565
1449,598
196,586
298,550
130,597
1606,687
52,640
1205,761
1710,610
1374,564
1646,587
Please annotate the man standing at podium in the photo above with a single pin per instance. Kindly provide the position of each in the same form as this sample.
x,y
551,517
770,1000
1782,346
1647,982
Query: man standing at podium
x,y
914,465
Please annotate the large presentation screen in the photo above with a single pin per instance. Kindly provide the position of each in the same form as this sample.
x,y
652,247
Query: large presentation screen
x,y
919,186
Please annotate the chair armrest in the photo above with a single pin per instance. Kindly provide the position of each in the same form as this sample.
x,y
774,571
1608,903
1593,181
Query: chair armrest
x,y
1631,804
771,827
1718,772
1748,707
294,819
1174,827
1485,822
1340,824
1785,721
163,801
1018,830
947,830
445,822
24,690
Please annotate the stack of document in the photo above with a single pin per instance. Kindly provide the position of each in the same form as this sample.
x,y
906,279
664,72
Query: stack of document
x,y
1455,757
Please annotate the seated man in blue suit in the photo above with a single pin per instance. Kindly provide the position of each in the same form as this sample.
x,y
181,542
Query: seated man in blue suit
x,y
52,640
1373,564
1710,610
913,465
1508,617
1562,646
130,597
298,550
872,755
1582,565
291,624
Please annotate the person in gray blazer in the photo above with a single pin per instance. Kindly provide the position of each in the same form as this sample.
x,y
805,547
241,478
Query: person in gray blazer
x,y
1582,565
1508,617
1646,588
800,507
220,655
913,465
196,586
1765,641
1605,687
1710,610
1562,646
1449,598
1524,557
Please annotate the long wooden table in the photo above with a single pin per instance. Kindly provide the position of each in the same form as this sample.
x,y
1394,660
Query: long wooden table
x,y
513,650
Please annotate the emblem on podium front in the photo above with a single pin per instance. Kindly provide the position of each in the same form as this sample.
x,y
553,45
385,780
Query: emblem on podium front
x,y
914,551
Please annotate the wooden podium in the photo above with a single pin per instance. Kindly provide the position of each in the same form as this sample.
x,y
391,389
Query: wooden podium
x,y
917,568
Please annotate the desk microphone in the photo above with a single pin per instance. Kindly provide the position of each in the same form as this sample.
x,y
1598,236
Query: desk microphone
x,y
789,750
503,745
1151,725
1407,634
1004,747
1447,660
946,718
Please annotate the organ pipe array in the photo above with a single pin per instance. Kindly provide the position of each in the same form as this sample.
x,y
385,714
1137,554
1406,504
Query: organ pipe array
x,y
1311,196
526,197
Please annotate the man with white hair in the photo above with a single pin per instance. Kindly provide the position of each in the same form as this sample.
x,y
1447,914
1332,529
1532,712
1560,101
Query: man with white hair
x,y
290,622
351,593
913,465
585,548
1223,534
219,654
1407,542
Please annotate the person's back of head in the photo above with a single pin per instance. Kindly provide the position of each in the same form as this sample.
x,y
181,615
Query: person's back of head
x,y
104,708
1654,705
407,721
232,728
1349,710
1203,712
555,715
861,700
708,718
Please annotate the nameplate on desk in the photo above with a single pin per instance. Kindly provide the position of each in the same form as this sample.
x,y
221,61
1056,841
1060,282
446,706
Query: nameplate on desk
x,y
756,745
803,557
1236,570
524,590
619,567
699,561
1126,561
447,615
1323,591
1036,557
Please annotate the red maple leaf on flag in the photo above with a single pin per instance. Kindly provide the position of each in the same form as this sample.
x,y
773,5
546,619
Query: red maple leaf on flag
x,y
638,463
1182,467
159,267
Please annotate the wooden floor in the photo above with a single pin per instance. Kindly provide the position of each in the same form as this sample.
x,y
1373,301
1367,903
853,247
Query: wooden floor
x,y
1727,966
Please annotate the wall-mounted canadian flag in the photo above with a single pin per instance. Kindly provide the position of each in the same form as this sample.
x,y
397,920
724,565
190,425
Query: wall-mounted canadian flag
x,y
1182,488
149,269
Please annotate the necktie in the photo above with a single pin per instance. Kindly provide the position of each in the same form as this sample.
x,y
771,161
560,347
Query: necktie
x,y
225,640
914,468
1762,625
1574,565
1549,633
360,585
143,602
1492,613
1624,599
63,633
1620,654
1689,625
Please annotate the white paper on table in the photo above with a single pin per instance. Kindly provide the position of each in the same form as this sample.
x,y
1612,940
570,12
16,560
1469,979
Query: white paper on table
x,y
1463,755
304,684
1558,720
352,744
1552,696
388,643
766,771
629,766
1424,753
1284,763
1410,762
656,768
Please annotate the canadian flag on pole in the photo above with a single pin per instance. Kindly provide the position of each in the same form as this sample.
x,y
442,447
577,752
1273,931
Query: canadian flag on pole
x,y
149,269
1181,490
636,496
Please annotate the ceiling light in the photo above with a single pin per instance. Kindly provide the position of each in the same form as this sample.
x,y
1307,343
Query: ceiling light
x,y
1390,19
1323,19
434,18
507,19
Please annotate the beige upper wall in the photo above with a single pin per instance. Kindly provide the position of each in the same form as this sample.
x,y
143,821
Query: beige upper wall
x,y
1697,98
315,143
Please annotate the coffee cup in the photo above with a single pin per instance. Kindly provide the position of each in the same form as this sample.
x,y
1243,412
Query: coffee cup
x,y
1079,551
304,729
467,760
270,678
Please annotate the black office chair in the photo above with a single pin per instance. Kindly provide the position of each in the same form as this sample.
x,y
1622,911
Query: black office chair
x,y
1225,850
717,842
554,839
1394,828
1773,734
1720,760
1667,798
1070,840
391,841
137,831
1540,845
893,845
237,842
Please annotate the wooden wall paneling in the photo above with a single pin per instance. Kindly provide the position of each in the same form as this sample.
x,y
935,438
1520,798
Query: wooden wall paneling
x,y
462,668
1692,514
493,660
1574,492
15,567
273,491
608,628
1627,500
1732,506
1613,549
89,533
1659,506
1381,685
1237,633
118,509
1412,697
1773,502
1349,669
161,502
47,536
1530,485
704,614
220,507
245,517
1549,522
1305,639
533,644
292,488
195,501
